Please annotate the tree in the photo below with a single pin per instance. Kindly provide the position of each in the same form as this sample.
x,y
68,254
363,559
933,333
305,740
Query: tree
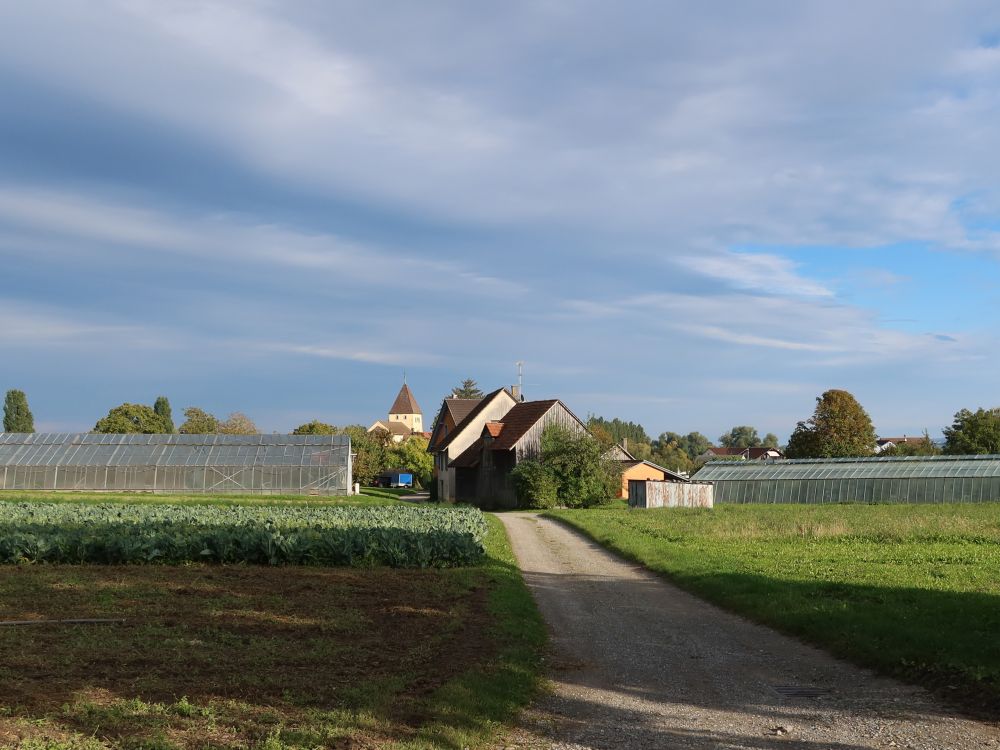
x,y
315,428
585,476
741,437
770,440
670,455
198,422
694,443
132,418
411,454
162,407
17,417
371,450
973,432
238,423
619,430
468,389
838,428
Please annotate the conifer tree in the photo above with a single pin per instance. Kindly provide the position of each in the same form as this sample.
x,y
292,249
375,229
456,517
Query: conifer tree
x,y
17,416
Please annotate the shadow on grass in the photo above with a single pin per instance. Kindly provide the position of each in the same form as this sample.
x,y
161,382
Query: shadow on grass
x,y
944,641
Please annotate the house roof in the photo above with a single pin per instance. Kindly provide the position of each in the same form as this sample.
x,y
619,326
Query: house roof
x,y
405,403
476,411
672,474
519,420
725,451
759,451
469,458
459,408
494,429
393,428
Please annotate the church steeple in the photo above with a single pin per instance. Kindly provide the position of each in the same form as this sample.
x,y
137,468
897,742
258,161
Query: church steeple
x,y
406,410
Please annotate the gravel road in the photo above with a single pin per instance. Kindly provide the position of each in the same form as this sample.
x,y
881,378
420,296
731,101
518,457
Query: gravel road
x,y
638,663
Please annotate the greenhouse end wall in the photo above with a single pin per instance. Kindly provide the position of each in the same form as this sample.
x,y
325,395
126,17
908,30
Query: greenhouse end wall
x,y
216,464
932,479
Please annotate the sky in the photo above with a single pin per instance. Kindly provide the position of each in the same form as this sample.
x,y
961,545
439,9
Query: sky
x,y
692,216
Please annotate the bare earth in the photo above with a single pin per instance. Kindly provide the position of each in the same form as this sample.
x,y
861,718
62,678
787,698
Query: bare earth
x,y
638,663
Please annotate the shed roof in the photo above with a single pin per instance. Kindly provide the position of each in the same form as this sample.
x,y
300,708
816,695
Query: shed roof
x,y
667,472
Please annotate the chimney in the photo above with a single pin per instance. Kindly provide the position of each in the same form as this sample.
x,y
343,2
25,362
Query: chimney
x,y
625,444
515,391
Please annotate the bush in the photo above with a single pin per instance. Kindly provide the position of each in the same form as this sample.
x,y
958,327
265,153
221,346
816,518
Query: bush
x,y
536,485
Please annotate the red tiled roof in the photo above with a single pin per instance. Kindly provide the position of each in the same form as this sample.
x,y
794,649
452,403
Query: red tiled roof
x,y
726,451
494,429
405,403
519,420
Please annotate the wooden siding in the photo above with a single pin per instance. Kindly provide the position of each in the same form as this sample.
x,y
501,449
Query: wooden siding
x,y
530,444
650,494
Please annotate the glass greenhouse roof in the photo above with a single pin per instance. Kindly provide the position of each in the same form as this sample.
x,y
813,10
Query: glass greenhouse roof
x,y
908,467
92,449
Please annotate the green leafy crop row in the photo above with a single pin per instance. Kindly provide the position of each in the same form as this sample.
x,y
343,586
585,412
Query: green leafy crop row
x,y
356,536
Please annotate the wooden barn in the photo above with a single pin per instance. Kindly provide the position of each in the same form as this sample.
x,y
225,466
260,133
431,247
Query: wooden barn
x,y
483,470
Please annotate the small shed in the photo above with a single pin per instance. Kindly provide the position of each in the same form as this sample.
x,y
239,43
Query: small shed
x,y
646,470
657,494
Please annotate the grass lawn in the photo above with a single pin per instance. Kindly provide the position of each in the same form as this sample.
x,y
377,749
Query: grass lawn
x,y
368,496
912,591
271,657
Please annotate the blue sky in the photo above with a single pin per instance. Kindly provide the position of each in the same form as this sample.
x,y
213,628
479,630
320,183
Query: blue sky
x,y
688,217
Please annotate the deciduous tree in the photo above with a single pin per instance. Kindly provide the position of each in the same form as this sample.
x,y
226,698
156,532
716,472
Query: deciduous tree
x,y
198,422
973,432
315,428
838,428
743,436
238,423
132,418
17,417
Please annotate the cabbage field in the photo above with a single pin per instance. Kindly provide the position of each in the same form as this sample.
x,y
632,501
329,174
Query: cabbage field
x,y
396,536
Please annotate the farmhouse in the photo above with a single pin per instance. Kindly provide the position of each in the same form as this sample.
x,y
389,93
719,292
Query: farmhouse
x,y
458,426
300,464
483,469
911,479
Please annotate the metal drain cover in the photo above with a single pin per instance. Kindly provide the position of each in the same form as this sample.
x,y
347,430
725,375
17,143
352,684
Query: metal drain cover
x,y
800,691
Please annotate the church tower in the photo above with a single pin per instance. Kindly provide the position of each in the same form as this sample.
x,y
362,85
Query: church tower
x,y
405,410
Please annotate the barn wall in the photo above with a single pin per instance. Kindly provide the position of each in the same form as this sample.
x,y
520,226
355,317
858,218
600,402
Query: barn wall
x,y
530,444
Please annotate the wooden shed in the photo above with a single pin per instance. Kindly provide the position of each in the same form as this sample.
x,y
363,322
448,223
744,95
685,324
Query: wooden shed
x,y
653,494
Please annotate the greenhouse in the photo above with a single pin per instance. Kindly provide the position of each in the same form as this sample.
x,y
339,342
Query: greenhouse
x,y
268,464
911,479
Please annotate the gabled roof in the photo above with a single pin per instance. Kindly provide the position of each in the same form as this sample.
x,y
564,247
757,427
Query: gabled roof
x,y
494,429
393,428
672,474
519,420
459,408
470,417
405,403
725,451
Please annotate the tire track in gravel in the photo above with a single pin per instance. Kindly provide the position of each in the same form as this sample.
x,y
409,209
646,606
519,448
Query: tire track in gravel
x,y
637,663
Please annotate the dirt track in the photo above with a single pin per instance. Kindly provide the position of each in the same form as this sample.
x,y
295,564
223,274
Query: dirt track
x,y
638,663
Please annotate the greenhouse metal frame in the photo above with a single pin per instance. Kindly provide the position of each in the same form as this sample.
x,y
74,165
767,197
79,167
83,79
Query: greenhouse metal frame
x,y
251,464
909,479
